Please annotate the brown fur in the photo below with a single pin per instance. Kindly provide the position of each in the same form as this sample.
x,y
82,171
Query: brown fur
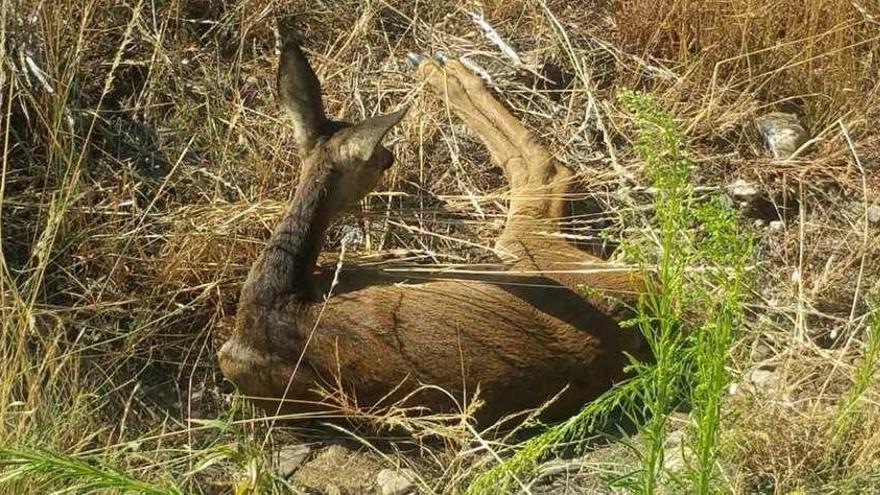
x,y
520,336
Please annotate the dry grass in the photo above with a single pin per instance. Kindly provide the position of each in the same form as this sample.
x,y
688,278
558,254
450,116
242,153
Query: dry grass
x,y
145,161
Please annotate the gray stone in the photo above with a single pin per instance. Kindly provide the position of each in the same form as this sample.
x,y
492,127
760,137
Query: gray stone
x,y
783,134
336,467
675,451
291,457
394,482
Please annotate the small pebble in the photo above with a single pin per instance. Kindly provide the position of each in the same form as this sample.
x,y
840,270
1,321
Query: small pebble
x,y
743,191
393,482
764,378
874,214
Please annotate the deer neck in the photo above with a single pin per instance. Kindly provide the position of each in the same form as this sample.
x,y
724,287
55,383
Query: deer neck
x,y
285,270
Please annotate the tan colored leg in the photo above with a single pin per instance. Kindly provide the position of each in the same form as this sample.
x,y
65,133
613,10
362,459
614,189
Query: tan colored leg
x,y
538,187
538,183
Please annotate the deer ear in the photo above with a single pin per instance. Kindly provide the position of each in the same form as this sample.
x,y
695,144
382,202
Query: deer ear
x,y
300,93
359,141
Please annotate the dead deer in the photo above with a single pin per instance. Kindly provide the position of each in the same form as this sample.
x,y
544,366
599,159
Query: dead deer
x,y
519,340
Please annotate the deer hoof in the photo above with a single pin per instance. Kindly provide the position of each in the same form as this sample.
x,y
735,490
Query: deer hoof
x,y
415,59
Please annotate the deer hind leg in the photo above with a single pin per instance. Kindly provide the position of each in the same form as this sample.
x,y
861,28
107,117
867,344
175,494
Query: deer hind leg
x,y
538,183
538,188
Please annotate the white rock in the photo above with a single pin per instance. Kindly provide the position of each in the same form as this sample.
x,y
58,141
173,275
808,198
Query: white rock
x,y
393,482
777,226
743,191
874,214
755,381
764,379
291,457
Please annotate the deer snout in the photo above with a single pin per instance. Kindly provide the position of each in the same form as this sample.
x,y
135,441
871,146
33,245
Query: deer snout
x,y
384,158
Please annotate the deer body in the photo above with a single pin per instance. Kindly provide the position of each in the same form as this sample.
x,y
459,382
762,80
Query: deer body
x,y
519,337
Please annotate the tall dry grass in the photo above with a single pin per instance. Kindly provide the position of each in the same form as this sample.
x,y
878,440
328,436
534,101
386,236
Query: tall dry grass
x,y
819,55
144,161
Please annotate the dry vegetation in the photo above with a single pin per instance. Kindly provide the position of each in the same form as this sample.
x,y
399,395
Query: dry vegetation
x,y
145,159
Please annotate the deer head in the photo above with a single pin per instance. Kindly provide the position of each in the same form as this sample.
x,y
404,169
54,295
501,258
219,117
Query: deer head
x,y
341,163
345,161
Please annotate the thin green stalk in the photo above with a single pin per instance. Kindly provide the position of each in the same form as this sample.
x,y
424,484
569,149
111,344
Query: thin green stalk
x,y
83,476
725,250
690,358
660,146
850,410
